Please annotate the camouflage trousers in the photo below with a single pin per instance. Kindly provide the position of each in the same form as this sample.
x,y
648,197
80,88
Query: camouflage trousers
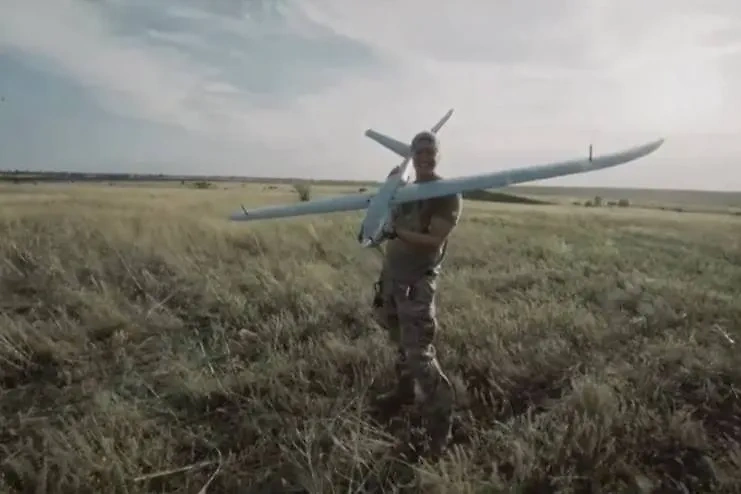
x,y
408,314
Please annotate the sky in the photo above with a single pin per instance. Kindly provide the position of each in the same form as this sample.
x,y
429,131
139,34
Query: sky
x,y
286,88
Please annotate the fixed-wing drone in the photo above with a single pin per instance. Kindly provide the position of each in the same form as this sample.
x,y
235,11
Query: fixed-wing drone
x,y
395,189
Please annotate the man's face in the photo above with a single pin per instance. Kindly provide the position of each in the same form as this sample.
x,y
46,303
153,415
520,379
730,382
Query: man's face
x,y
424,161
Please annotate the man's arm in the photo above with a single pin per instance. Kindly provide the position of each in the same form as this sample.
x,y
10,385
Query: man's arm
x,y
441,224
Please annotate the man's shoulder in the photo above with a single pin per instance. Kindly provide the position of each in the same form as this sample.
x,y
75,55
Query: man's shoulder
x,y
452,202
448,207
448,200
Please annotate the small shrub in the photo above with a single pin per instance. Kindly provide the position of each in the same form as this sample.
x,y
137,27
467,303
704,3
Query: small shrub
x,y
304,191
623,203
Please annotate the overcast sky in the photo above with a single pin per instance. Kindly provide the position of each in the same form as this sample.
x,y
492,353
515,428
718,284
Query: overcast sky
x,y
287,88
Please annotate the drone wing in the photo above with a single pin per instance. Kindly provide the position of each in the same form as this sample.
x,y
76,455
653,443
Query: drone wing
x,y
418,191
331,205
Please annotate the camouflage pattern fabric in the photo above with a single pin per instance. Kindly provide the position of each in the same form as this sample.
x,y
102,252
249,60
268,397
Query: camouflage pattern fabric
x,y
408,313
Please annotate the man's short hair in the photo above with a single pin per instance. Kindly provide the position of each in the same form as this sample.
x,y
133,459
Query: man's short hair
x,y
425,140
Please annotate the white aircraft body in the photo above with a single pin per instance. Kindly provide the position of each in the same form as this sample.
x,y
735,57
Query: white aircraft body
x,y
395,189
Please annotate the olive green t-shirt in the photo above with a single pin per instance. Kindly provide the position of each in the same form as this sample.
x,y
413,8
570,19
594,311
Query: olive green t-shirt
x,y
404,261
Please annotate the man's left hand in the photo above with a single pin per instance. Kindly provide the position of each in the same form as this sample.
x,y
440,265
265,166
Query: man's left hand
x,y
390,231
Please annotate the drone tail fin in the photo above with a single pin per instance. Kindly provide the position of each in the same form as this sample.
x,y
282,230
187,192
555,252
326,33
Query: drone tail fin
x,y
398,147
401,148
439,125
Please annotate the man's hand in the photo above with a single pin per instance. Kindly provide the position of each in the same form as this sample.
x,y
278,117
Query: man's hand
x,y
390,227
389,230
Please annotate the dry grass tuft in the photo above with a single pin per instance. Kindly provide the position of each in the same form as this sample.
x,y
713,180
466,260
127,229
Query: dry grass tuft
x,y
148,345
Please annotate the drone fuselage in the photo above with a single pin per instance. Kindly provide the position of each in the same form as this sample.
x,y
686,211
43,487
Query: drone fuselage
x,y
373,228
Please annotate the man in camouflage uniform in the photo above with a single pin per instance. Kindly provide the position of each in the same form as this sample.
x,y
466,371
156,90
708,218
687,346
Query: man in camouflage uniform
x,y
406,301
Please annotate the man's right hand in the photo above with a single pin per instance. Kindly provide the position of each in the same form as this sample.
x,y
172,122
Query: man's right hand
x,y
389,230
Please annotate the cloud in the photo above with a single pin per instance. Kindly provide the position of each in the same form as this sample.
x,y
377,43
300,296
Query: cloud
x,y
287,86
126,75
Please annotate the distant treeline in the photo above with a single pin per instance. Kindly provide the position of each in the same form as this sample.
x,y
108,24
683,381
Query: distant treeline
x,y
44,176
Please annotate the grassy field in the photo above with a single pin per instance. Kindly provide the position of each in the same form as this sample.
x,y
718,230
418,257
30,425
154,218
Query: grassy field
x,y
148,345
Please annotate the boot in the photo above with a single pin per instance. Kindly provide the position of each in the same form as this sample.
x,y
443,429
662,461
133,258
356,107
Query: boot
x,y
439,418
439,427
392,401
402,395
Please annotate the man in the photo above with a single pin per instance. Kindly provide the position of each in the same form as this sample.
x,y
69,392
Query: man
x,y
405,306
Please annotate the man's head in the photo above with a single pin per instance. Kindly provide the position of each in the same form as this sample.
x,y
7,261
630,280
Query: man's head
x,y
424,154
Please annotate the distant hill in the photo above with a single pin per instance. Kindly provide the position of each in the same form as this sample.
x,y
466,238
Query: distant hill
x,y
637,197
489,196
